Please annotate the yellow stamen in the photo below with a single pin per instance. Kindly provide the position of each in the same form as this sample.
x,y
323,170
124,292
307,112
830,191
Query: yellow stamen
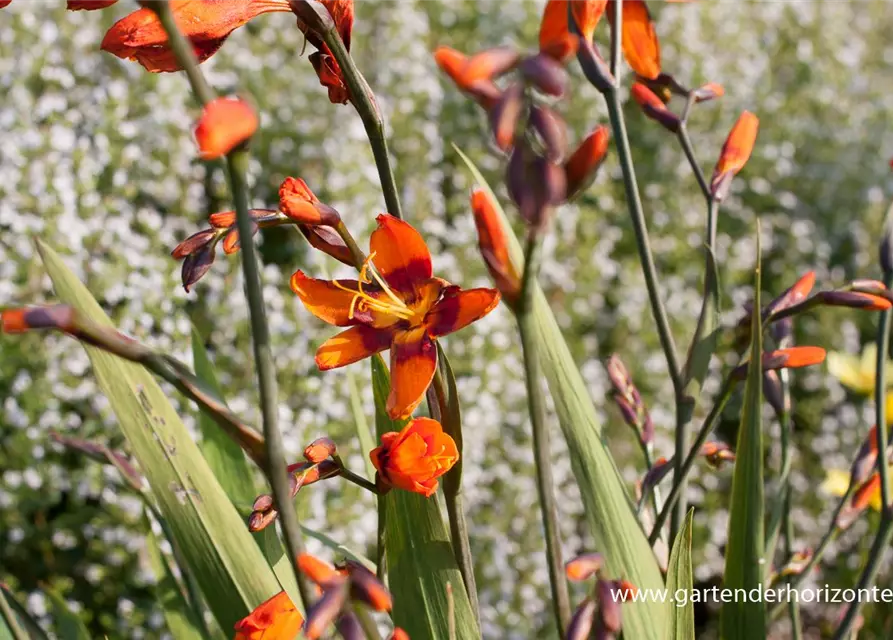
x,y
364,301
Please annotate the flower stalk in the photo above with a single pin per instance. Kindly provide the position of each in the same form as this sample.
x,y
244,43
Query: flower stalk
x,y
237,165
884,535
536,402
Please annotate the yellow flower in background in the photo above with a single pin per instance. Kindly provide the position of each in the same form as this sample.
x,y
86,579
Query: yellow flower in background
x,y
856,373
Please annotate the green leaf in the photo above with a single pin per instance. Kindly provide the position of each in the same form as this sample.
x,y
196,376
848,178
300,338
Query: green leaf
x,y
66,623
610,512
179,616
269,542
420,558
230,569
13,614
451,420
703,344
364,433
225,458
339,548
745,568
679,579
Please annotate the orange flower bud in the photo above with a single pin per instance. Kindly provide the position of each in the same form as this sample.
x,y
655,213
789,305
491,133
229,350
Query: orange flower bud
x,y
583,567
324,63
225,123
56,316
489,64
654,107
320,449
493,244
275,618
399,634
735,153
793,358
709,91
367,588
321,572
554,27
868,492
452,63
580,627
298,202
716,453
206,23
583,164
415,457
641,47
89,5
855,300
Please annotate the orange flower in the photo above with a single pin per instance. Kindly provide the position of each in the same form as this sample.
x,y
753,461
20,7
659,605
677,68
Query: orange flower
x,y
299,203
414,458
581,167
396,304
475,75
206,23
640,45
324,63
793,358
224,124
321,572
493,244
584,566
868,493
735,153
554,28
275,618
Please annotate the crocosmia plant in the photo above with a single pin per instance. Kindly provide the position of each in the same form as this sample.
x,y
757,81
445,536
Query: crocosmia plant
x,y
668,497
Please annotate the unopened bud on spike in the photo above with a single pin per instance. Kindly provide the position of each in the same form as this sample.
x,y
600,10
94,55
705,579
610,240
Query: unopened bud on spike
x,y
583,567
493,244
320,449
580,626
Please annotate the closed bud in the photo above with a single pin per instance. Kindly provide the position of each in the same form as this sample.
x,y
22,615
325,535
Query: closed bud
x,y
366,587
328,241
260,520
734,155
709,91
627,410
263,503
298,202
489,64
594,67
654,108
225,123
867,493
581,168
619,376
854,300
717,453
790,358
319,571
609,603
581,623
193,243
551,131
866,459
196,265
583,567
505,114
324,612
320,449
655,475
493,244
772,390
544,73
58,316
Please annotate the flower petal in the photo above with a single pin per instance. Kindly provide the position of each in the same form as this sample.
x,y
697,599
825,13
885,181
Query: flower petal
x,y
351,346
401,255
413,361
460,308
324,300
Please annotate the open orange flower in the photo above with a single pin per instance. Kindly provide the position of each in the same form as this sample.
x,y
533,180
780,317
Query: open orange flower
x,y
395,304
274,618
641,47
414,458
206,23
555,26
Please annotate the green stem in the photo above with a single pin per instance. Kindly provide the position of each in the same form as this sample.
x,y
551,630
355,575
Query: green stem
x,y
688,463
452,493
685,142
358,480
363,101
793,603
276,470
357,254
643,244
9,617
617,41
779,512
537,406
885,530
381,568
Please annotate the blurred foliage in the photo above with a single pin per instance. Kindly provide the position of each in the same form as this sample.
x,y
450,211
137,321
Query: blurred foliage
x,y
97,159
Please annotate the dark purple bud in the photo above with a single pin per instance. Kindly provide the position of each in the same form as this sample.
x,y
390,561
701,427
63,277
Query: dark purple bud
x,y
263,503
594,66
197,265
854,300
193,243
545,73
485,93
647,435
630,415
518,181
619,375
773,391
325,610
581,624
505,114
349,627
609,602
366,587
656,474
551,130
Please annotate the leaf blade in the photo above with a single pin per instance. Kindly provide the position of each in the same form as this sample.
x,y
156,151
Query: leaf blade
x,y
679,578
